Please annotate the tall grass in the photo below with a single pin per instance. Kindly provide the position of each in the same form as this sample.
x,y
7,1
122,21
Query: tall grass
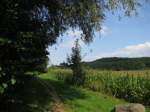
x,y
133,86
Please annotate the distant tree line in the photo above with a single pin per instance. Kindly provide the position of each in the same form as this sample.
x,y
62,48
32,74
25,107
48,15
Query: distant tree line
x,y
115,63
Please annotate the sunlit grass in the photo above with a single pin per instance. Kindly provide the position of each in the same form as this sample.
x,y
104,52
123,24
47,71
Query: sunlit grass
x,y
133,86
81,100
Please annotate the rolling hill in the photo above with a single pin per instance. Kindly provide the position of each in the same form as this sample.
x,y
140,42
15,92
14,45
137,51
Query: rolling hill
x,y
117,63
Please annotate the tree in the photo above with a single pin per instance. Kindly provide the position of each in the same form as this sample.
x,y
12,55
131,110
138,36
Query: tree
x,y
76,65
27,27
64,64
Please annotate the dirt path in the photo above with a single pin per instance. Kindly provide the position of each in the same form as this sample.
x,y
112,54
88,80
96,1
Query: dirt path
x,y
58,105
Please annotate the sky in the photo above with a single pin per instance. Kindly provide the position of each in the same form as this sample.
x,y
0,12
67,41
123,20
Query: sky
x,y
128,37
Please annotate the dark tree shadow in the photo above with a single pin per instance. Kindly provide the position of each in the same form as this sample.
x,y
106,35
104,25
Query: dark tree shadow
x,y
31,96
67,92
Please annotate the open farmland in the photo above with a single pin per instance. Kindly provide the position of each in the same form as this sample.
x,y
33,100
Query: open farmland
x,y
133,86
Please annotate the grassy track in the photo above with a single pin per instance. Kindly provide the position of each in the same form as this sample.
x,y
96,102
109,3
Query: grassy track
x,y
87,101
32,96
133,86
82,100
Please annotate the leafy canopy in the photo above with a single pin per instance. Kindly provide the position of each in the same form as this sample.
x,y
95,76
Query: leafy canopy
x,y
27,27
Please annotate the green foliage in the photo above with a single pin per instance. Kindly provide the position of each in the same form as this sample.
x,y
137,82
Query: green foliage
x,y
77,99
74,61
31,96
120,63
133,86
27,27
84,100
35,97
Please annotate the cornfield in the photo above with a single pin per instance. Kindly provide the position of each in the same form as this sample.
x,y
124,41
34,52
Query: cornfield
x,y
133,86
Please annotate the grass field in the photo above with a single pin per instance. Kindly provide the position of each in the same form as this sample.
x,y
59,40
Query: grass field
x,y
133,86
32,96
81,100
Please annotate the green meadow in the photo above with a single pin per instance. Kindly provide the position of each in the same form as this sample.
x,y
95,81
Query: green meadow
x,y
100,93
103,89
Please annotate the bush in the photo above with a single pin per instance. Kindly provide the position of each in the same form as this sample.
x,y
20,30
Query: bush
x,y
74,61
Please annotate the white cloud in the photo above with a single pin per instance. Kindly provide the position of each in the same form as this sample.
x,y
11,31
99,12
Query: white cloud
x,y
105,31
77,33
70,43
139,50
72,35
